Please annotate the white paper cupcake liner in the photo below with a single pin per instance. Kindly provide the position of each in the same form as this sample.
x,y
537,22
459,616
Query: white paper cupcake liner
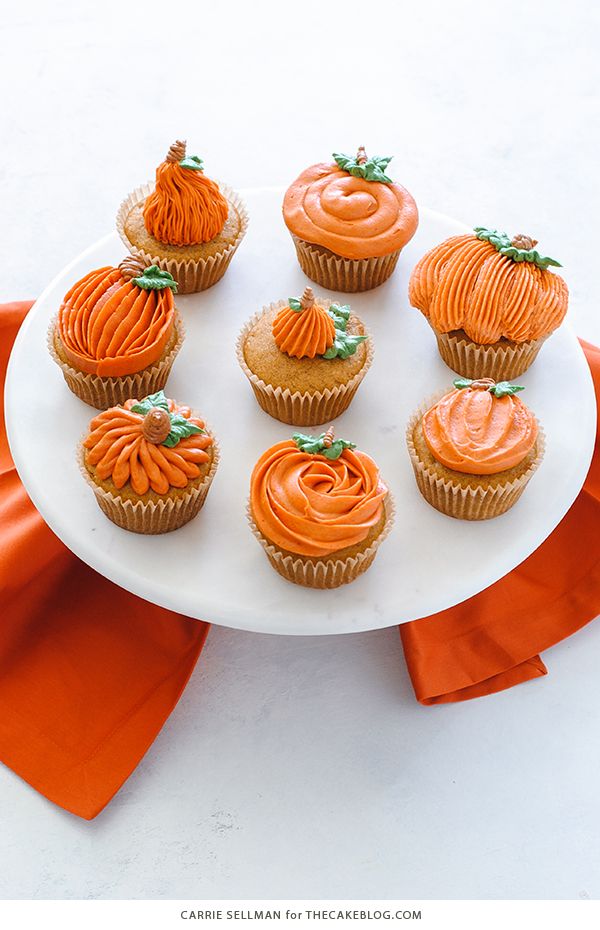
x,y
103,393
301,408
191,275
344,274
323,573
501,361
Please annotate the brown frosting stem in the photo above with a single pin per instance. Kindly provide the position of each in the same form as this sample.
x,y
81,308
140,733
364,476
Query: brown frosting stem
x,y
156,426
361,155
308,298
176,151
132,267
328,437
483,383
523,242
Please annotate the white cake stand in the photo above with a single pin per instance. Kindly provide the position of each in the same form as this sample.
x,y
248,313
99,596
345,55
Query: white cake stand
x,y
213,569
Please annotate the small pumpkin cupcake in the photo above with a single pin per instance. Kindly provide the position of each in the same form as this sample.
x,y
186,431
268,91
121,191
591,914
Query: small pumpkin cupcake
x,y
150,464
117,333
319,509
305,358
349,221
475,449
185,223
490,300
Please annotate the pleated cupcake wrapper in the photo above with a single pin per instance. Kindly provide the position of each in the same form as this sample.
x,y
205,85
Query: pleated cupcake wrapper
x,y
344,274
301,408
502,362
470,503
103,393
325,573
150,517
191,275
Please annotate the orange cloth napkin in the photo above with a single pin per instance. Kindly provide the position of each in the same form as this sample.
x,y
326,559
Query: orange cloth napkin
x,y
492,640
88,672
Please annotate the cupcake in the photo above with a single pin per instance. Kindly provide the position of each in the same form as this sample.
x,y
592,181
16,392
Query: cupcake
x,y
117,333
319,509
150,463
474,450
349,221
490,300
185,223
305,358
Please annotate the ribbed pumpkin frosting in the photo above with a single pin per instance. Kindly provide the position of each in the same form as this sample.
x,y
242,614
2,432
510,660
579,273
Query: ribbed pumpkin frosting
x,y
109,326
465,283
474,432
186,207
350,216
313,506
306,332
117,449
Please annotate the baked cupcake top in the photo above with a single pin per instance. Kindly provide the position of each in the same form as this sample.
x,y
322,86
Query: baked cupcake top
x,y
117,321
351,207
315,495
153,444
490,286
186,207
304,344
480,428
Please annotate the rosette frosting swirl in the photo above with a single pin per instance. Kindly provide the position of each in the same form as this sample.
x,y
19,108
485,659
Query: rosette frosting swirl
x,y
314,506
474,432
466,283
110,326
186,207
117,448
351,216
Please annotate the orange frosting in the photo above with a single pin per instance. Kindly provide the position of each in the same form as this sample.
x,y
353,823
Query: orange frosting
x,y
186,207
304,333
465,283
474,432
312,506
117,448
109,326
352,217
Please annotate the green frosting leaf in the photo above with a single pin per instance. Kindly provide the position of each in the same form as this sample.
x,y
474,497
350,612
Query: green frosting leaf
x,y
154,278
180,427
152,400
373,169
500,389
193,162
502,242
344,344
505,388
315,445
295,304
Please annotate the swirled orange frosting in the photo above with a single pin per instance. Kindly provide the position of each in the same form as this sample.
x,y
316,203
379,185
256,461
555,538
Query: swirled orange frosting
x,y
117,449
465,283
474,432
111,327
312,506
352,217
304,333
185,208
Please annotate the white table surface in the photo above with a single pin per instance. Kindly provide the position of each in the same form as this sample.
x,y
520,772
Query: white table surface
x,y
303,767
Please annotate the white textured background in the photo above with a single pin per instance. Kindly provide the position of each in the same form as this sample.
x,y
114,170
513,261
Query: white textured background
x,y
304,767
